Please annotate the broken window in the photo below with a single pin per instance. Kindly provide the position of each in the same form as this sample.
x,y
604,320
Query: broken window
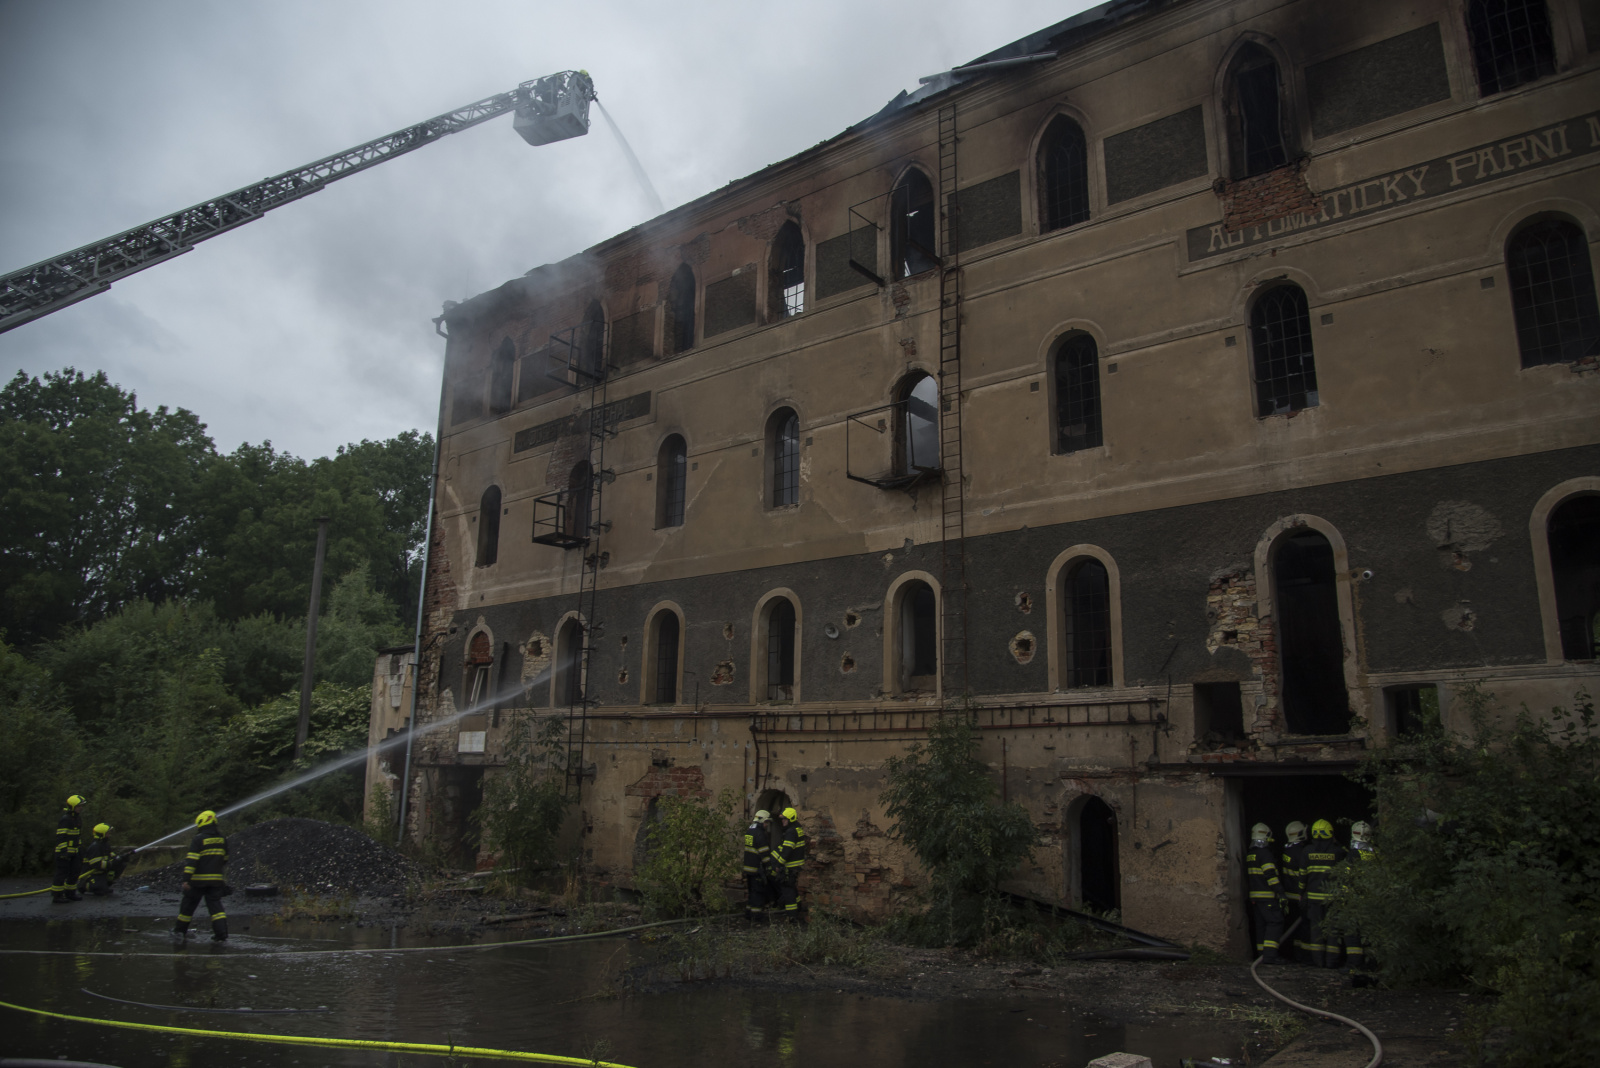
x,y
1310,638
1218,714
919,638
591,341
680,312
919,426
501,371
780,650
580,494
1574,532
1063,176
672,474
666,653
1412,709
1260,137
569,664
1552,293
1086,624
1077,374
1511,43
1280,341
489,527
480,655
912,230
786,273
783,447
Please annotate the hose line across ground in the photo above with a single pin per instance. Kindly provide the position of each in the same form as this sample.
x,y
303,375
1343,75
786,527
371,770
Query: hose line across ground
x,y
428,1048
1377,1047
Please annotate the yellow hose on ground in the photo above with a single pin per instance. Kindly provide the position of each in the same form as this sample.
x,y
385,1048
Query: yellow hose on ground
x,y
27,893
331,1043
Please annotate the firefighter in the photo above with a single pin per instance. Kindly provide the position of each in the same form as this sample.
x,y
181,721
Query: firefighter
x,y
69,829
1355,949
102,864
1266,912
757,851
789,857
1323,855
203,876
1292,872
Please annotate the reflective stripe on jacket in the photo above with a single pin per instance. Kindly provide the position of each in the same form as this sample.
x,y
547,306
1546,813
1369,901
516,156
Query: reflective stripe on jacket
x,y
1322,856
1262,872
791,852
757,844
1294,869
208,857
69,829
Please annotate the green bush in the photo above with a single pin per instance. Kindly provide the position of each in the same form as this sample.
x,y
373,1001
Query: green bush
x,y
525,801
693,852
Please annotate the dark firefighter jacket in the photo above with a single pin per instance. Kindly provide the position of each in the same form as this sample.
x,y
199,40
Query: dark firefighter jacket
x,y
1262,872
757,846
1322,856
208,857
790,853
69,829
1294,869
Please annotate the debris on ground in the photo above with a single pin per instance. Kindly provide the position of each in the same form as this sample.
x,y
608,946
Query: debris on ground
x,y
308,855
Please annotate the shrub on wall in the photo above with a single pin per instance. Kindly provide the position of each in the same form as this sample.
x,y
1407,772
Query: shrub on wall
x,y
692,849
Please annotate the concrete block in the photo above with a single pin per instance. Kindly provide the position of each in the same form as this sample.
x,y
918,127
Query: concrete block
x,y
1121,1060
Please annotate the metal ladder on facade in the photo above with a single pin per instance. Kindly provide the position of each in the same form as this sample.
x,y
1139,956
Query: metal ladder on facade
x,y
953,552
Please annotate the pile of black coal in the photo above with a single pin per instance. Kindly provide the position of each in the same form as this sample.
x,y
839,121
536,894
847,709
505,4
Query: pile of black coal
x,y
306,855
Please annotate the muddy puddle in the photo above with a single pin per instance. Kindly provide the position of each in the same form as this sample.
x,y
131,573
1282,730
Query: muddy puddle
x,y
562,999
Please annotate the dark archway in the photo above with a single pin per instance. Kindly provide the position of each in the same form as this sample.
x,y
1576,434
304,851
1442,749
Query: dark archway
x,y
1310,639
1099,875
1574,532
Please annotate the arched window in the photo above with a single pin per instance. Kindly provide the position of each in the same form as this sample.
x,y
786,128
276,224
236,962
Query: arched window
x,y
1260,127
1077,381
568,690
1552,293
501,370
1280,343
580,495
1086,624
913,235
783,450
918,438
672,478
680,312
1574,532
665,634
918,633
592,340
1310,639
1511,43
489,527
1063,175
780,650
786,273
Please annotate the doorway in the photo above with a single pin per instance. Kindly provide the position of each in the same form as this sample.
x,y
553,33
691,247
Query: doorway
x,y
1310,638
1099,875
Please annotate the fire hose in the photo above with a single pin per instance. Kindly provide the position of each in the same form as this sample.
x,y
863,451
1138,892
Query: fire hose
x,y
1377,1047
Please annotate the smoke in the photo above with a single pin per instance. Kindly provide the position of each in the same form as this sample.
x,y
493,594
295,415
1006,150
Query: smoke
x,y
633,161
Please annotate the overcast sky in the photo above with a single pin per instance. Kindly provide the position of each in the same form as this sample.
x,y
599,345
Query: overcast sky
x,y
311,327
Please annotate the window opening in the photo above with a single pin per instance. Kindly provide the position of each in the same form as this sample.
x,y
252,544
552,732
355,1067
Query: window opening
x,y
912,227
1574,532
784,448
1411,709
786,273
1280,337
1218,714
919,637
780,651
569,664
1063,175
1552,293
592,342
1511,43
1087,625
680,311
1078,395
489,527
667,633
580,492
672,474
1310,639
1099,877
1257,100
919,427
480,655
501,372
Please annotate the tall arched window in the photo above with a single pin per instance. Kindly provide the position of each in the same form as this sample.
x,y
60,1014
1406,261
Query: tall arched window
x,y
680,312
665,637
501,371
672,478
592,340
580,495
1077,381
1310,640
786,273
568,689
918,437
1280,343
1511,43
489,527
918,633
1552,293
480,656
780,650
1063,175
1574,532
783,451
1086,624
1260,130
913,232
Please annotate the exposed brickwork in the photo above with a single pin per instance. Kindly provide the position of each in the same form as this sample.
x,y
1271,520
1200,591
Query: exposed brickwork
x,y
1231,611
855,873
764,225
670,782
630,270
1262,197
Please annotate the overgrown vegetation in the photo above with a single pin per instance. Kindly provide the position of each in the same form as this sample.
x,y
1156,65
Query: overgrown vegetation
x,y
942,801
1488,871
692,853
525,801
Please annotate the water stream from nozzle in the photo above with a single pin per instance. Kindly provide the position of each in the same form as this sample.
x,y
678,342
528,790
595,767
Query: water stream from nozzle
x,y
633,161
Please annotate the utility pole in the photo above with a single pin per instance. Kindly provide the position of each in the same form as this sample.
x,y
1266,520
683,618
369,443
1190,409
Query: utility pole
x,y
311,638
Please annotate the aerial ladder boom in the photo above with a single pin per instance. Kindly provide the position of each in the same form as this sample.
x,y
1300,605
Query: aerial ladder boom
x,y
548,109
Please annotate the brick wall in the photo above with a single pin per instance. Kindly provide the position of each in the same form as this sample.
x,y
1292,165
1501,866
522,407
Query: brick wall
x,y
1263,197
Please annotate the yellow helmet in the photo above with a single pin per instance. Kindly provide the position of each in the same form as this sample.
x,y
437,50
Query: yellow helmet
x,y
1322,829
1295,833
205,818
75,800
790,814
101,830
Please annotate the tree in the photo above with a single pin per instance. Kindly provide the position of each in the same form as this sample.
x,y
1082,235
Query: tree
x,y
692,853
39,752
525,800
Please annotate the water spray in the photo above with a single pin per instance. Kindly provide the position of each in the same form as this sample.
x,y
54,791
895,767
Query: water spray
x,y
633,161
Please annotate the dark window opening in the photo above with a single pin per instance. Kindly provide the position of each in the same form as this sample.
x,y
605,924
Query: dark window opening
x,y
1552,293
1077,370
1574,532
1310,638
919,637
569,664
1219,714
783,446
786,273
1099,875
1063,176
1260,139
1412,710
1087,624
580,494
460,801
501,372
1280,339
667,632
780,651
919,427
912,229
672,479
489,527
1511,43
591,340
680,312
